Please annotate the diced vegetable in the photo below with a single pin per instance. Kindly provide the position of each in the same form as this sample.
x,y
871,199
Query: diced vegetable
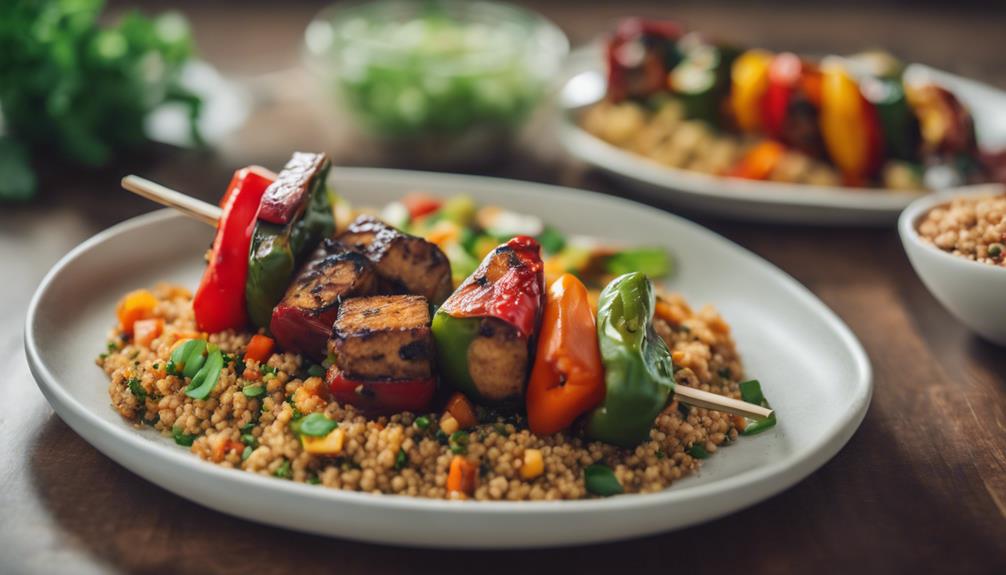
x,y
459,407
396,215
600,480
259,348
461,476
188,358
698,451
651,262
203,382
533,465
314,425
330,444
145,331
418,204
136,305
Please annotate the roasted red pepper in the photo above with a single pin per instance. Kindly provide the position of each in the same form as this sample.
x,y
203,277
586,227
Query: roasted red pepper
x,y
567,379
783,80
381,396
219,303
288,197
512,292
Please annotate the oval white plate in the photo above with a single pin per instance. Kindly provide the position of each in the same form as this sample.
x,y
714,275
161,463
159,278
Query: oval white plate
x,y
750,199
813,370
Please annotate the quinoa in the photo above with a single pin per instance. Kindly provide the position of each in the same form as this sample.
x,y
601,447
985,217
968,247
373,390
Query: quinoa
x,y
393,455
971,227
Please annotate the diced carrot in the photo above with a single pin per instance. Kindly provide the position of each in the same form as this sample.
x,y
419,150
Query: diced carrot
x,y
136,305
259,348
759,162
461,477
145,331
459,407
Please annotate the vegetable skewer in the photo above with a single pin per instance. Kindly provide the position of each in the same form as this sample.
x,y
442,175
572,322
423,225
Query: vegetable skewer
x,y
210,214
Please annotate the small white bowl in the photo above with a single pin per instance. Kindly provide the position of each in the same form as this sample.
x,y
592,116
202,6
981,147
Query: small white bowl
x,y
973,292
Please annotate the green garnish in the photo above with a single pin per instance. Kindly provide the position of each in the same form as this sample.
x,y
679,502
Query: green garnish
x,y
551,240
253,390
600,480
315,425
203,382
283,471
182,438
113,346
698,452
190,356
266,370
458,442
651,262
170,369
401,460
421,422
751,392
315,370
249,439
248,427
313,479
136,389
247,452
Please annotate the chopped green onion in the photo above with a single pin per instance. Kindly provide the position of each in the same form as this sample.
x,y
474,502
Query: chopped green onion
x,y
182,438
283,471
247,452
203,382
698,452
315,425
422,422
600,480
401,460
249,439
458,442
253,390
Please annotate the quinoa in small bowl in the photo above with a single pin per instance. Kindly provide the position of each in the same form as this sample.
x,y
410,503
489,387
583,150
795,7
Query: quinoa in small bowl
x,y
957,245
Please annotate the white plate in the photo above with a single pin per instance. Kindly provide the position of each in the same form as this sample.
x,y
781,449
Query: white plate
x,y
813,370
750,199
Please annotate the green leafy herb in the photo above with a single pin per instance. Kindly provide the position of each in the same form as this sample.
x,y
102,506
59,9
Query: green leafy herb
x,y
136,388
315,425
751,392
80,89
600,480
182,438
204,381
421,422
401,460
249,439
253,390
247,452
283,471
313,479
698,452
189,357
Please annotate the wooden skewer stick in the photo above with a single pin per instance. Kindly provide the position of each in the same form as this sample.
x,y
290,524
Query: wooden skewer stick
x,y
196,209
210,214
700,398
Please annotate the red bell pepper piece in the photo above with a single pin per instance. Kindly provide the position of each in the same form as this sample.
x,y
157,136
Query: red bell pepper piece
x,y
512,291
289,194
637,57
783,79
419,204
381,396
219,303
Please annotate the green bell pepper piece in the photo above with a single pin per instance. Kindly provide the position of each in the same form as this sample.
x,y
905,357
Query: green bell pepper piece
x,y
277,251
898,123
453,336
638,371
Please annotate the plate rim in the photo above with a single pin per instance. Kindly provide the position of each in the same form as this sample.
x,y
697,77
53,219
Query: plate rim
x,y
781,473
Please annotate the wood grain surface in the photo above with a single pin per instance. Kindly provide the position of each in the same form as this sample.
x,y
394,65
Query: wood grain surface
x,y
920,488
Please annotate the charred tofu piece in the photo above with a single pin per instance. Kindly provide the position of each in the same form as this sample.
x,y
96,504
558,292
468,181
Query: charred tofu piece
x,y
406,263
303,319
383,337
498,360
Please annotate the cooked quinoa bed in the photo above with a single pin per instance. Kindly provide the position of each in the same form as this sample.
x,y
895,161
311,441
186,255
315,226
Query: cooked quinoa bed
x,y
393,454
972,227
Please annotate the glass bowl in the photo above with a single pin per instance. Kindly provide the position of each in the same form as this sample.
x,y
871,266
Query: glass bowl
x,y
442,83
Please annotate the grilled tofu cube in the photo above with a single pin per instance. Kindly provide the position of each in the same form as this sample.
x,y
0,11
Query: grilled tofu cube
x,y
408,264
303,319
498,360
383,337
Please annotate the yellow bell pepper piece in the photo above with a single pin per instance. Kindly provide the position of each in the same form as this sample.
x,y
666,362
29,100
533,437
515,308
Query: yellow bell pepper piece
x,y
331,444
749,82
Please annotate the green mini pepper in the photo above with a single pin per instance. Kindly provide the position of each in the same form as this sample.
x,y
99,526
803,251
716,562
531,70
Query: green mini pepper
x,y
638,371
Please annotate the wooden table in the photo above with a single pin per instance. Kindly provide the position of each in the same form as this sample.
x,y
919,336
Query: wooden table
x,y
921,486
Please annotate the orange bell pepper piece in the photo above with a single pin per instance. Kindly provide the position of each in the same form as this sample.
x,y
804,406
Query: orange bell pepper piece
x,y
461,476
759,162
461,409
567,378
259,348
749,84
136,305
146,331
